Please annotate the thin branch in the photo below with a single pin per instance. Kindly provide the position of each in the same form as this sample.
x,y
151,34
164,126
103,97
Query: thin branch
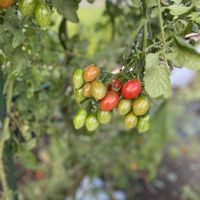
x,y
162,31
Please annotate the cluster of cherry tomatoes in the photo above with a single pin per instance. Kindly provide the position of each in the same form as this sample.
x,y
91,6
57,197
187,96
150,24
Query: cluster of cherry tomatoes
x,y
126,98
37,8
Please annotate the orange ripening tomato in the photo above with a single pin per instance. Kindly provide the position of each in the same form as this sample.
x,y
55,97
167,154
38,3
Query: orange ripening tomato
x,y
6,3
91,72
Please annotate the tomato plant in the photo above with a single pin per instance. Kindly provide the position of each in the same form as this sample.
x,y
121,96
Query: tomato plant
x,y
87,90
43,14
136,44
115,85
78,94
78,80
130,121
91,73
143,124
141,105
98,90
131,89
80,118
27,7
124,106
91,122
110,101
104,117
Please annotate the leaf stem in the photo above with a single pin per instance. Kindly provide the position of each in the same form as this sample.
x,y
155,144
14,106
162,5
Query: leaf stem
x,y
145,31
162,31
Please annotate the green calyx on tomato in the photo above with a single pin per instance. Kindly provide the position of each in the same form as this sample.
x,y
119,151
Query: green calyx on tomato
x,y
143,124
104,116
27,7
130,121
98,90
91,72
91,122
131,89
110,101
80,118
43,14
124,106
78,78
141,105
87,90
78,94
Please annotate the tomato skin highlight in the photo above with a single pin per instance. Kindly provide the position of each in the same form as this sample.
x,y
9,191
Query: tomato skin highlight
x,y
43,14
91,72
80,118
141,105
6,3
27,7
130,121
124,106
143,124
78,78
115,85
104,116
87,90
110,101
98,90
131,89
91,123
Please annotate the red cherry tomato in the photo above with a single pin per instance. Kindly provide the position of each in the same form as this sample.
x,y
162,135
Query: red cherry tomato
x,y
131,89
115,85
110,101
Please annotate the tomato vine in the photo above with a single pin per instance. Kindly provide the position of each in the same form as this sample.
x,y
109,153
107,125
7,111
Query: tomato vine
x,y
35,76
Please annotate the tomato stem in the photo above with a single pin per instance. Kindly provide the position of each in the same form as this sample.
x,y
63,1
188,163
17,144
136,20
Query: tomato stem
x,y
5,135
162,32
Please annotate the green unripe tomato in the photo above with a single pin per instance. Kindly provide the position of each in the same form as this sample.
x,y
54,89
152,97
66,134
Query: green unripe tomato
x,y
43,14
143,124
80,118
130,120
79,95
124,107
141,106
104,116
91,122
78,78
27,7
98,90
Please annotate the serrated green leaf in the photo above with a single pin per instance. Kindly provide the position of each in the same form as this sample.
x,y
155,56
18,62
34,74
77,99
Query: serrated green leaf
x,y
67,8
179,9
156,79
18,39
184,55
